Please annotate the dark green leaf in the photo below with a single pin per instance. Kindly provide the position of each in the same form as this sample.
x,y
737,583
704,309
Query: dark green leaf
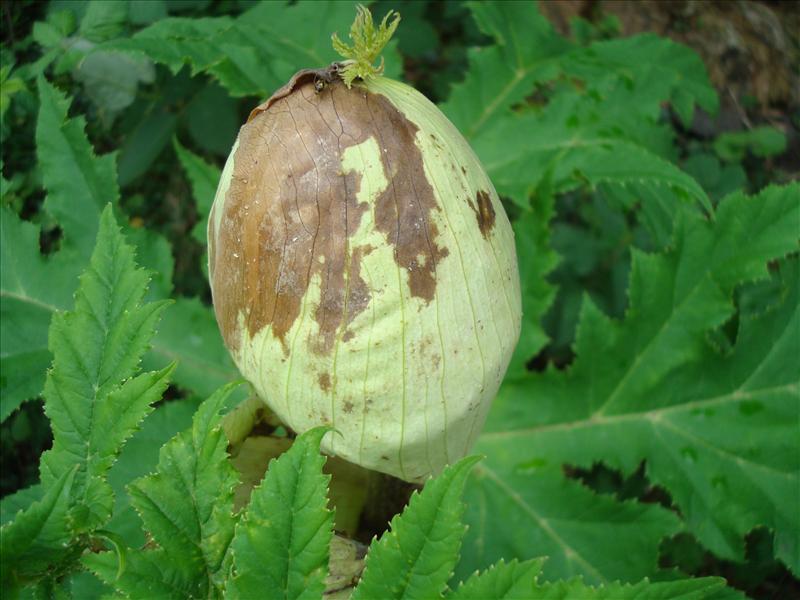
x,y
187,506
32,289
416,558
282,543
79,184
191,338
38,537
502,581
717,432
95,347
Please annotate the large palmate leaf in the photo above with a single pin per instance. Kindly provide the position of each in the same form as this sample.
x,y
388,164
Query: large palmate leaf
x,y
519,505
602,126
536,260
416,558
575,140
655,69
31,289
92,398
518,581
717,431
526,52
187,507
707,588
191,337
282,543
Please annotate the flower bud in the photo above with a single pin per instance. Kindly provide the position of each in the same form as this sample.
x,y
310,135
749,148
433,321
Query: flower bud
x,y
363,271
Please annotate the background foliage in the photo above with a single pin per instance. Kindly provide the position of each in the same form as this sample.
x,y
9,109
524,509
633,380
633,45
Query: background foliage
x,y
648,423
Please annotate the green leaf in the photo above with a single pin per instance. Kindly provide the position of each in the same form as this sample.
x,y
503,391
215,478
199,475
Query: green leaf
x,y
144,143
761,141
103,20
298,36
707,588
526,53
502,581
536,261
520,150
656,69
154,253
143,12
175,42
187,507
19,500
282,543
95,347
8,87
204,178
79,184
718,432
519,505
600,126
31,289
254,54
111,80
146,575
416,558
191,338
519,581
213,120
140,457
367,45
38,537
217,46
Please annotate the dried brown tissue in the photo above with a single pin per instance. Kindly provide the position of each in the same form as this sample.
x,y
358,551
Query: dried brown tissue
x,y
290,211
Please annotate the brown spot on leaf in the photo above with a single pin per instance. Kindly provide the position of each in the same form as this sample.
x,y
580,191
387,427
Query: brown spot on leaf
x,y
348,407
325,382
484,212
290,212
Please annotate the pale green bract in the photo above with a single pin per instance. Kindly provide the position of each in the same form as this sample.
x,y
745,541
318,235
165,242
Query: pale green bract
x,y
410,379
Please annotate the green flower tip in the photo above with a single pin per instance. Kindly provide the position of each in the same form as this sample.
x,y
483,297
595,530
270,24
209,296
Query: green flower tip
x,y
368,43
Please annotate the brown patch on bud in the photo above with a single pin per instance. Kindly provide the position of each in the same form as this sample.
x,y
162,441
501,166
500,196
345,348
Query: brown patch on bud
x,y
290,212
325,382
212,234
484,212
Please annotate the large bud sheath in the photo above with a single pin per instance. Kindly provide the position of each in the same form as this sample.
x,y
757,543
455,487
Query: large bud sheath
x,y
363,272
